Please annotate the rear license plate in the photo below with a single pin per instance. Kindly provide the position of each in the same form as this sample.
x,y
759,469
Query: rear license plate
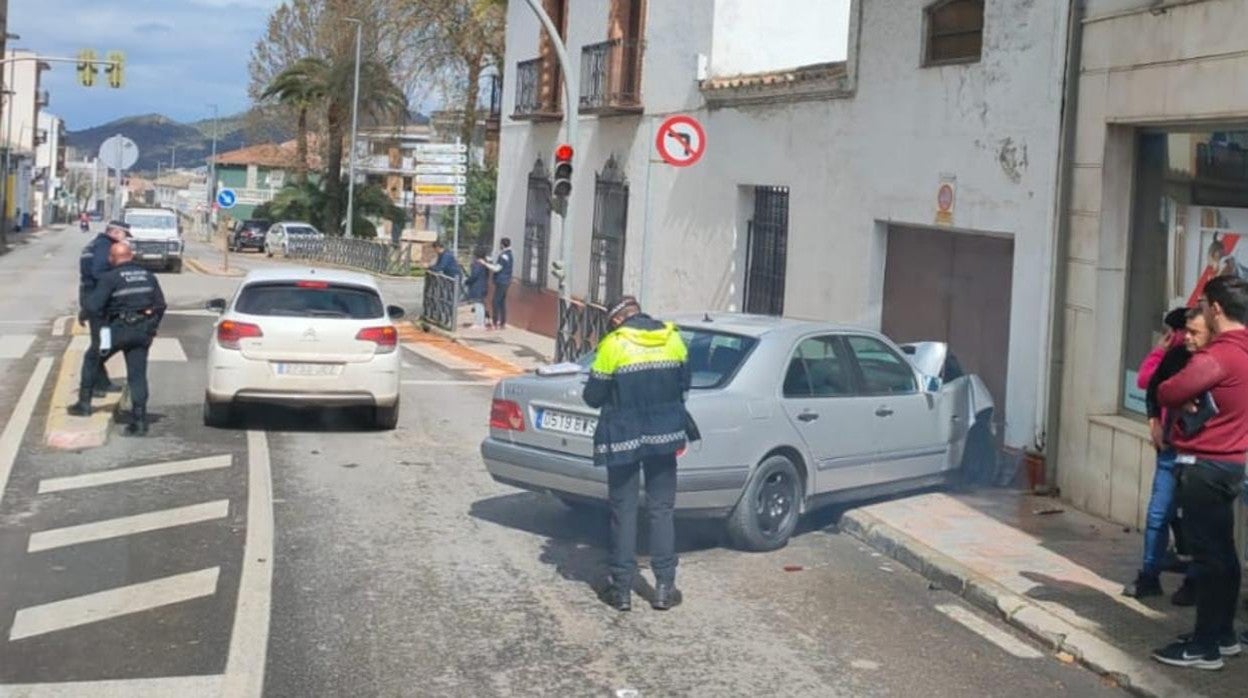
x,y
306,369
565,423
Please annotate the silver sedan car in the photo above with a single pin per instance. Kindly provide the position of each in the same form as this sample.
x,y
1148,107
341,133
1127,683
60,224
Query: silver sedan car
x,y
793,414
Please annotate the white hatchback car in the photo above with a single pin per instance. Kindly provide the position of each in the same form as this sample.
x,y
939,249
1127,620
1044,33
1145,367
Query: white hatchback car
x,y
304,338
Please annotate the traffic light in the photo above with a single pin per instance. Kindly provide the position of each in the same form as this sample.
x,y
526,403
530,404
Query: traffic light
x,y
86,67
116,62
563,171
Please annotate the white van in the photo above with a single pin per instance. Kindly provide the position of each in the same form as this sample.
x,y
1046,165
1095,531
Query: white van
x,y
157,239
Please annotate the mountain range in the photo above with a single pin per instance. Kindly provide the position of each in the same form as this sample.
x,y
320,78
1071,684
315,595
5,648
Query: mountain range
x,y
165,141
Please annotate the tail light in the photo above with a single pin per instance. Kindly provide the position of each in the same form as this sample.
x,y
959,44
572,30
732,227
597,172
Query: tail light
x,y
386,338
230,333
506,415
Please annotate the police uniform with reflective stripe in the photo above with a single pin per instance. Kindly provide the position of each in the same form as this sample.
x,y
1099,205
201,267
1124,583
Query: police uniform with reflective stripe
x,y
92,265
132,304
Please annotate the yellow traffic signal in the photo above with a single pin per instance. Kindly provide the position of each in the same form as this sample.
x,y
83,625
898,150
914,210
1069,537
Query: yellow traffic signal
x,y
116,61
86,67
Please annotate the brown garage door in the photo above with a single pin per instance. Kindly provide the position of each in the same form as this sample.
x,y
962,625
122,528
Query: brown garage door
x,y
954,288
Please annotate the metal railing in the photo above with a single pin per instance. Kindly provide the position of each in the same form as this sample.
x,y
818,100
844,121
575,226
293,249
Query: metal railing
x,y
441,301
581,326
611,75
376,257
537,83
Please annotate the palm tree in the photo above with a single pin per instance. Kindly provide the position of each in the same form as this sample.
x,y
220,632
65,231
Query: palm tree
x,y
301,86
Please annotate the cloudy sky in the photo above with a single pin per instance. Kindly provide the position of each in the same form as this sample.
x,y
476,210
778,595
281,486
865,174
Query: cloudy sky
x,y
181,55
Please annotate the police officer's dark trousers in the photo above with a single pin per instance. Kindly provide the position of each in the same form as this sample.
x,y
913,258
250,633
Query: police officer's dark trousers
x,y
94,374
623,489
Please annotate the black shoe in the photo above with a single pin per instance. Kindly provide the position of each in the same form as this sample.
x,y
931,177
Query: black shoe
x,y
138,423
666,596
1188,654
80,409
1143,587
613,596
1186,594
1228,645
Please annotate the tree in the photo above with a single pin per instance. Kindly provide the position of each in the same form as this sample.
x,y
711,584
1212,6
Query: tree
x,y
308,202
476,218
301,87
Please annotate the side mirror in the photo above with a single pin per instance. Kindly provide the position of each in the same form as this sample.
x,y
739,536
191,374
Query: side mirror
x,y
933,384
395,312
216,305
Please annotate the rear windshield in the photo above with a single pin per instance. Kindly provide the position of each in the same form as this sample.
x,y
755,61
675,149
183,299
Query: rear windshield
x,y
309,299
300,230
714,357
257,225
151,220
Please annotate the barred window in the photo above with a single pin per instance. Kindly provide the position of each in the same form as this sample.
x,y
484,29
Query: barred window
x,y
536,251
606,264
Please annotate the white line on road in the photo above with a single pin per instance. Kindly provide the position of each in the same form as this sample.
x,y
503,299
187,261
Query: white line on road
x,y
141,472
128,525
244,669
122,601
448,382
22,322
11,438
123,688
61,325
989,632
193,313
15,346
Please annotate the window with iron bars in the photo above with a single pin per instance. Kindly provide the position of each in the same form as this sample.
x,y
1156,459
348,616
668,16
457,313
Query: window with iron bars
x,y
536,227
606,262
767,252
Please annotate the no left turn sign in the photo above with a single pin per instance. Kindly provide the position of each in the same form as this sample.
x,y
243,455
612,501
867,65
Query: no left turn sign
x,y
681,141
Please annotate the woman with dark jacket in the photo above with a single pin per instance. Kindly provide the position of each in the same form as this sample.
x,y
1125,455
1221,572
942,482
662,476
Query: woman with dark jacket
x,y
478,284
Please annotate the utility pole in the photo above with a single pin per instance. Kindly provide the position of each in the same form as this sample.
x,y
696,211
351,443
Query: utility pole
x,y
212,169
355,108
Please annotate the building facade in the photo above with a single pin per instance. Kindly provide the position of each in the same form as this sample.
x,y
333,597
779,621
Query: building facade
x,y
256,173
1158,204
887,163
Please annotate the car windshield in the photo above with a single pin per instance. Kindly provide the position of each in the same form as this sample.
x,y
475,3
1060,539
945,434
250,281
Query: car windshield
x,y
309,299
300,230
714,357
152,220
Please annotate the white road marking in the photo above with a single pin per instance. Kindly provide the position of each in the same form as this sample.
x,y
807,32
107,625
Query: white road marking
x,y
244,670
22,322
193,313
989,632
447,382
127,525
15,346
11,438
61,325
166,349
118,688
141,472
122,601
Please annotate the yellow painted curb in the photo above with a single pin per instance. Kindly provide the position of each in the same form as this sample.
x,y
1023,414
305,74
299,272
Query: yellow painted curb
x,y
66,432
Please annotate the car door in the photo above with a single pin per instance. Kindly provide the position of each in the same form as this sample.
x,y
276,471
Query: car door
x,y
821,398
908,427
274,238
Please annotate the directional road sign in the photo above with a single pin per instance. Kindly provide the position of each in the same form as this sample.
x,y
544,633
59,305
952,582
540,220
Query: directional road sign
x,y
441,189
441,200
441,179
442,158
441,148
441,169
226,198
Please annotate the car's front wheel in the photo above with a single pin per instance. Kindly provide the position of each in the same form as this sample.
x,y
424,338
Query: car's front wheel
x,y
217,415
768,510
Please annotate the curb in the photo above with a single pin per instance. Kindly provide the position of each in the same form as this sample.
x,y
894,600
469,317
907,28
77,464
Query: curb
x,y
198,267
1140,678
457,352
72,433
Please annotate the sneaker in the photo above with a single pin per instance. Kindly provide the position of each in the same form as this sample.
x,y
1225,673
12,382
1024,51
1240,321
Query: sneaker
x,y
666,597
1228,645
616,596
1143,587
1188,654
1186,594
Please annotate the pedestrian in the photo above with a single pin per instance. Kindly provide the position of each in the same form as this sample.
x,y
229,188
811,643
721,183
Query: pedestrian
x,y
445,263
1212,460
638,381
1185,332
478,284
93,264
129,298
502,280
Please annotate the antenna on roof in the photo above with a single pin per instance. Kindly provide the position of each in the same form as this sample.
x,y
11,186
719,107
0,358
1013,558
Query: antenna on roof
x,y
706,317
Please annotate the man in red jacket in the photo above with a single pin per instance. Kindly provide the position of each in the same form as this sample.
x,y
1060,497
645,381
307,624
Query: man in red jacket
x,y
1212,458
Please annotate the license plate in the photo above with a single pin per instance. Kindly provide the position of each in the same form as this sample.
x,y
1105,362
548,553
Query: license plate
x,y
567,423
306,369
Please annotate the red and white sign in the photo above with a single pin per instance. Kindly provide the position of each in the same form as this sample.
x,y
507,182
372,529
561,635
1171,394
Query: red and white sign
x,y
681,140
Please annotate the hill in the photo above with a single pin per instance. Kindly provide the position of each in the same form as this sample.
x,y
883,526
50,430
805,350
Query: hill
x,y
161,139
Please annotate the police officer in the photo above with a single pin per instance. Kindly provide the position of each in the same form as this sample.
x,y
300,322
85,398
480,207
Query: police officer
x,y
129,299
638,381
502,281
92,264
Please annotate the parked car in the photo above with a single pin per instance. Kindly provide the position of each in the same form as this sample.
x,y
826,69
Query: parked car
x,y
307,338
156,236
249,234
282,237
794,415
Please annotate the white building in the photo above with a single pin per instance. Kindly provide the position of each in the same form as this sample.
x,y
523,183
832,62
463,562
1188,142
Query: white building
x,y
49,166
832,128
19,127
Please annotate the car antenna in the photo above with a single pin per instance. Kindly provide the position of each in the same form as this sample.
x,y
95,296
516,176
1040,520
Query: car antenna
x,y
706,317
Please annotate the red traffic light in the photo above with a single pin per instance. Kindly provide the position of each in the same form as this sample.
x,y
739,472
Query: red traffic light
x,y
563,153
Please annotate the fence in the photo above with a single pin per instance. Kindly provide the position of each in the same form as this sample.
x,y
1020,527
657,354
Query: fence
x,y
441,301
376,257
581,326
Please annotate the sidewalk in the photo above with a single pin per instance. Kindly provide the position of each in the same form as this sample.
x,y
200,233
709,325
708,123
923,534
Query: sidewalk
x,y
1051,571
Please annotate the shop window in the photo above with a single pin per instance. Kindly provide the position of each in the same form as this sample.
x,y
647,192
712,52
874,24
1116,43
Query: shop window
x,y
954,32
1189,223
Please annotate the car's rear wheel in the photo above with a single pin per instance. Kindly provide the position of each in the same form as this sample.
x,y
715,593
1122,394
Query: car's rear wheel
x,y
386,418
218,414
769,508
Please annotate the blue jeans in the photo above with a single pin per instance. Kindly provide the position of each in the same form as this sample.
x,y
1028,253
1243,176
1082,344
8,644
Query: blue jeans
x,y
1162,505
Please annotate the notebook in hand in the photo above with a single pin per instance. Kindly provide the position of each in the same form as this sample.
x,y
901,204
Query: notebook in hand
x,y
1192,422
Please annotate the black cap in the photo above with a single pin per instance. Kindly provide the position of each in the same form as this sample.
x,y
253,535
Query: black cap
x,y
623,305
1176,319
120,225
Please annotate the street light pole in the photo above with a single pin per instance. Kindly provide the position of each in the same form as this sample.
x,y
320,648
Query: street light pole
x,y
355,108
212,166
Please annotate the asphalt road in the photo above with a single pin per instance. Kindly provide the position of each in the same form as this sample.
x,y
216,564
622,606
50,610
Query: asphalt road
x,y
303,555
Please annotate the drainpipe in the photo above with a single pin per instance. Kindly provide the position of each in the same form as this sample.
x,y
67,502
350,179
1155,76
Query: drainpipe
x,y
1050,401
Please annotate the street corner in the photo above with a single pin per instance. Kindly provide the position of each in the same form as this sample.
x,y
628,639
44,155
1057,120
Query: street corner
x,y
199,267
455,355
64,431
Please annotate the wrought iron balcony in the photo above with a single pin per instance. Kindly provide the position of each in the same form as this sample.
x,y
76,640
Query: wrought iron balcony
x,y
537,90
611,77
